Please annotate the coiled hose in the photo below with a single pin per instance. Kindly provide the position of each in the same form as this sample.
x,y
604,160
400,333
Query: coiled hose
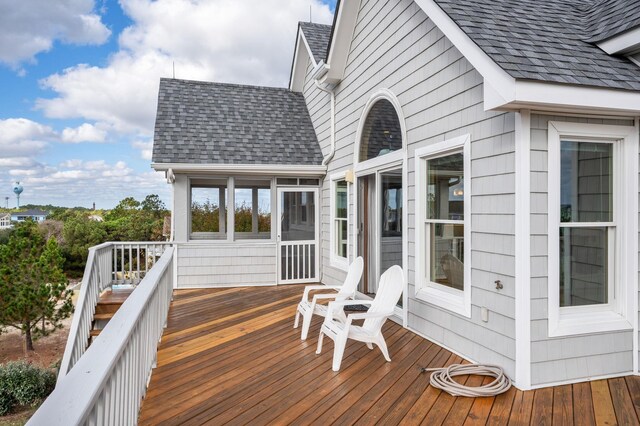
x,y
442,378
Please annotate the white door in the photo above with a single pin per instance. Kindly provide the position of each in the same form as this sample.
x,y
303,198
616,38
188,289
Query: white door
x,y
298,235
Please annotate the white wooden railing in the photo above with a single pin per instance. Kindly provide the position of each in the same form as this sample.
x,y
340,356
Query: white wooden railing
x,y
108,382
107,264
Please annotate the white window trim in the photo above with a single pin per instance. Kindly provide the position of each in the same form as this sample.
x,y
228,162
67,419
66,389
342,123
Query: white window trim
x,y
456,301
619,315
336,260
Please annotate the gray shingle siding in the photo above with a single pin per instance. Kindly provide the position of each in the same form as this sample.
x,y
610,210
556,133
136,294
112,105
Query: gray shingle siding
x,y
547,41
317,36
216,123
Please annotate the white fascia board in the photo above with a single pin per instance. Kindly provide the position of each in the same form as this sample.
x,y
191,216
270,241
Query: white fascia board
x,y
627,42
301,54
548,95
341,40
243,169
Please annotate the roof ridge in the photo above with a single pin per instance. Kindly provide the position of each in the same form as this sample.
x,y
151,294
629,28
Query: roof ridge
x,y
216,83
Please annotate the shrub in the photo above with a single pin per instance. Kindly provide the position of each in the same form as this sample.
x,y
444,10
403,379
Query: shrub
x,y
22,383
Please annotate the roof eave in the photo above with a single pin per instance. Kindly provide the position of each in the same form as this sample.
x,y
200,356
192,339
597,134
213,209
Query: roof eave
x,y
243,169
527,94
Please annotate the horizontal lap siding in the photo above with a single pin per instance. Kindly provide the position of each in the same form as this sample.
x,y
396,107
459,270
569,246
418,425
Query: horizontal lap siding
x,y
226,265
395,46
572,357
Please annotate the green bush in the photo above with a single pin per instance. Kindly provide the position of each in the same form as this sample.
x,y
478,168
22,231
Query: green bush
x,y
22,383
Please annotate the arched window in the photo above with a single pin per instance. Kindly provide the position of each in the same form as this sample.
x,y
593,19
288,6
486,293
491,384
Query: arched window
x,y
381,133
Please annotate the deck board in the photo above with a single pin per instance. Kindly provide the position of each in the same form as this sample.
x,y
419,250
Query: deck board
x,y
231,356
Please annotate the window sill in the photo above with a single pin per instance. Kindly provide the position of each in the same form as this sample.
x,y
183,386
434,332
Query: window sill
x,y
569,324
444,299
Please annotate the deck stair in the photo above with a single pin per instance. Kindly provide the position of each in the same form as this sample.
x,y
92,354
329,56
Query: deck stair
x,y
109,303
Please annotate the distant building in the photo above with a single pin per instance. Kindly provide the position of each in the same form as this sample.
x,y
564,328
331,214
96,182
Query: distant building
x,y
35,214
5,220
96,218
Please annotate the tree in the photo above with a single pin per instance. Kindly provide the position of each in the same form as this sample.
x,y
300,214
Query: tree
x,y
123,208
154,205
33,288
79,234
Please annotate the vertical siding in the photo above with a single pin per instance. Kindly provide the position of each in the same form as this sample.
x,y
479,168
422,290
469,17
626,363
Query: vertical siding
x,y
395,46
574,357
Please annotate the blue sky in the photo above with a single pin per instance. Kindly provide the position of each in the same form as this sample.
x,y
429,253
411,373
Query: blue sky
x,y
78,84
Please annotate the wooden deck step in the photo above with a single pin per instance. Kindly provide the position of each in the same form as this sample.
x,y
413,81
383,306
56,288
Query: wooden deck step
x,y
108,304
105,316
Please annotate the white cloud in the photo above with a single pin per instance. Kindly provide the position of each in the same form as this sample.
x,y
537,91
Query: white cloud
x,y
30,27
146,148
78,182
84,133
16,162
242,41
20,137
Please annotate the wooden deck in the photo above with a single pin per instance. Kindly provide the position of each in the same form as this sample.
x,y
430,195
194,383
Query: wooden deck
x,y
232,356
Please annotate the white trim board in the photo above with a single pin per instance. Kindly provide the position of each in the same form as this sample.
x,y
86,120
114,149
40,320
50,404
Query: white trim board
x,y
625,43
523,248
244,169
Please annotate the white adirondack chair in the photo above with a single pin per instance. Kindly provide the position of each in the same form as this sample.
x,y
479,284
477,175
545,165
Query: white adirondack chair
x,y
381,308
307,308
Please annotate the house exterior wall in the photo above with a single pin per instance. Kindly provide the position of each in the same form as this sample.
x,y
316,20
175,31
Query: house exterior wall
x,y
566,358
395,46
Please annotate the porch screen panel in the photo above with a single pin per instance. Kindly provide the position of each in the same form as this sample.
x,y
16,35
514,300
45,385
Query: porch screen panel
x,y
297,236
208,211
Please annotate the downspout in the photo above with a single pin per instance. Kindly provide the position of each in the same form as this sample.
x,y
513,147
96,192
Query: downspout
x,y
332,152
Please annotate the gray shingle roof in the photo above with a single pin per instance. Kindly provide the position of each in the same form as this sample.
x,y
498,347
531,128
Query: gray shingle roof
x,y
608,18
548,40
215,123
317,36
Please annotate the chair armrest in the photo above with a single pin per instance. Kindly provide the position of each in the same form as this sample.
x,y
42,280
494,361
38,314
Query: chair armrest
x,y
308,289
317,297
340,304
366,315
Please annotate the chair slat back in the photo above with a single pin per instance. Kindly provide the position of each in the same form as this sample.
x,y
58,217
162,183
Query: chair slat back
x,y
387,296
350,284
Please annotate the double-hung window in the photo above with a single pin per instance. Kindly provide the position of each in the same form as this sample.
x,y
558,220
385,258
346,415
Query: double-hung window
x,y
443,233
592,206
339,222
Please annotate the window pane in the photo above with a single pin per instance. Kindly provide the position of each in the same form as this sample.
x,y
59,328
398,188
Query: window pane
x,y
445,188
264,210
447,255
381,133
244,208
341,237
586,182
341,199
392,204
206,215
584,268
253,212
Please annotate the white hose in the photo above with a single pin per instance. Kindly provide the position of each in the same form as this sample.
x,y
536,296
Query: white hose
x,y
442,378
